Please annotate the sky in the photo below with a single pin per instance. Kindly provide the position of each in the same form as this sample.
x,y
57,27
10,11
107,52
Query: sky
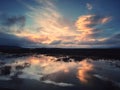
x,y
60,23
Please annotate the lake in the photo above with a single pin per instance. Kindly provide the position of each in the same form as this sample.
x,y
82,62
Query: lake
x,y
43,72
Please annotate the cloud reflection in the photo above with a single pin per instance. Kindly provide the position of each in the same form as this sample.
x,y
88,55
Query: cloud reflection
x,y
83,71
46,65
45,68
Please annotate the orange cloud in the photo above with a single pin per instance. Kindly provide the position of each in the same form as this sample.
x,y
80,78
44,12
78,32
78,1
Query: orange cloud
x,y
86,25
83,22
52,23
54,27
86,22
105,20
36,38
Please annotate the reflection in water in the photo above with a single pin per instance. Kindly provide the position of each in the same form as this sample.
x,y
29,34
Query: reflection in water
x,y
45,65
83,70
53,71
48,65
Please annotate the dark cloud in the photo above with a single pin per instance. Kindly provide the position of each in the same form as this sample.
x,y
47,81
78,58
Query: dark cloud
x,y
12,40
72,42
113,41
56,42
14,20
10,25
16,23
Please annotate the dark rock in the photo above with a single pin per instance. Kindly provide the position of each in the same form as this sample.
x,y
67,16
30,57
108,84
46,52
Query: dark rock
x,y
5,70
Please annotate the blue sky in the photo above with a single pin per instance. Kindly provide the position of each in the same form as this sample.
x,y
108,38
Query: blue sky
x,y
60,23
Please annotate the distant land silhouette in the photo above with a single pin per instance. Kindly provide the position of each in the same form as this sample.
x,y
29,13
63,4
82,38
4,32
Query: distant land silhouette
x,y
108,53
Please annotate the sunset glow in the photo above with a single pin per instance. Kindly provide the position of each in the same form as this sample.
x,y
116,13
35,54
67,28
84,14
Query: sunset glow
x,y
50,23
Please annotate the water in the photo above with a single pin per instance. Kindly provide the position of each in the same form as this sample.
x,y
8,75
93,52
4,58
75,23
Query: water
x,y
42,72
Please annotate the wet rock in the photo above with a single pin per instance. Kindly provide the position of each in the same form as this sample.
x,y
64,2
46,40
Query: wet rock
x,y
19,67
2,63
27,64
5,70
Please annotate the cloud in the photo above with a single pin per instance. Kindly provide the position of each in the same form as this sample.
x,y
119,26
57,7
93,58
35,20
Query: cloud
x,y
113,41
57,31
52,22
12,23
89,6
13,32
12,40
87,25
51,28
56,42
87,22
105,20
9,21
10,27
